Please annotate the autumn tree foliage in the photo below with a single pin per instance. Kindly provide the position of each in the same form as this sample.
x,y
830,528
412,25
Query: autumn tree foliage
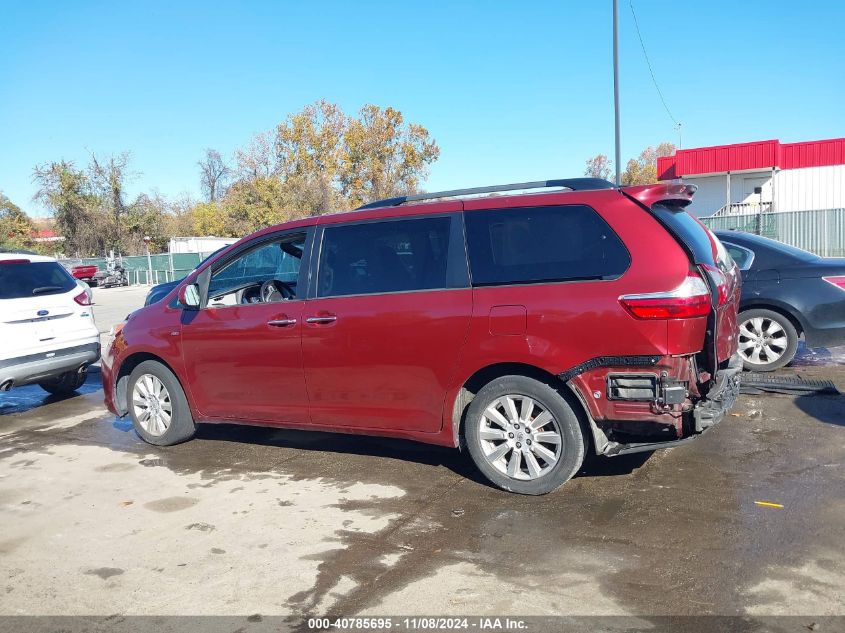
x,y
318,160
15,226
600,166
638,171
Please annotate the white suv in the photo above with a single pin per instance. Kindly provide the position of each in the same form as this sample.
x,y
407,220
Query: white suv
x,y
47,330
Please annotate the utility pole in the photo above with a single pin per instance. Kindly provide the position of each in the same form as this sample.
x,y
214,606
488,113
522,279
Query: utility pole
x,y
616,87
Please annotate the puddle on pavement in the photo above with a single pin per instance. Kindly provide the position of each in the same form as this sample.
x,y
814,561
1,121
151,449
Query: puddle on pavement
x,y
816,356
23,399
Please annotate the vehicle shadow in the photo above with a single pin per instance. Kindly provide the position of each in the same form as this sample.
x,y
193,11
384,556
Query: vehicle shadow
x,y
827,409
22,399
459,462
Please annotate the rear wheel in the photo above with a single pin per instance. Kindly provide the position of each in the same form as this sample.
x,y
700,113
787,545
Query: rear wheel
x,y
523,435
65,384
158,406
767,340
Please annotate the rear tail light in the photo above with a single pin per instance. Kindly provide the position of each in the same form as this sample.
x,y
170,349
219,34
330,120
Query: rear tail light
x,y
82,299
721,281
689,300
14,261
839,282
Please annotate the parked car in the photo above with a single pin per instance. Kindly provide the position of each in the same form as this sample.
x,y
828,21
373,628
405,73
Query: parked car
x,y
84,272
46,325
526,328
80,271
787,292
160,291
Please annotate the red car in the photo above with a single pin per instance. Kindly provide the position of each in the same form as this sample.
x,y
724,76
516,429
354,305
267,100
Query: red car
x,y
526,329
85,272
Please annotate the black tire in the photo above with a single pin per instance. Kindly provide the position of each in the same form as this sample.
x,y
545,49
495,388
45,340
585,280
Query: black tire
x,y
571,450
786,344
65,384
181,426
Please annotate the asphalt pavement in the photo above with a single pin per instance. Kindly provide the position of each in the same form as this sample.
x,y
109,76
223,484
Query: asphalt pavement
x,y
748,520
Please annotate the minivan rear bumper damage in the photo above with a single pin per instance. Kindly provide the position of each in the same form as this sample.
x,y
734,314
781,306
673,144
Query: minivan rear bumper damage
x,y
694,418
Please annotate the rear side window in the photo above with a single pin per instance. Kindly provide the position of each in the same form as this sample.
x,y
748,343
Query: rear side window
x,y
742,256
542,244
33,279
390,256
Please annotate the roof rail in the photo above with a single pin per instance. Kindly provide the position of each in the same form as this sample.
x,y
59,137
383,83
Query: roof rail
x,y
575,184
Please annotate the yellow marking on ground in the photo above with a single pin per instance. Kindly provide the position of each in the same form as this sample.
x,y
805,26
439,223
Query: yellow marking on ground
x,y
768,504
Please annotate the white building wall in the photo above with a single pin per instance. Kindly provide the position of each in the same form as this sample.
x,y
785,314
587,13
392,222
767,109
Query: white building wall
x,y
712,190
811,188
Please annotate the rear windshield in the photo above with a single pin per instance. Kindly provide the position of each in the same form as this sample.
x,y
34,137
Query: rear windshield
x,y
689,231
33,279
542,244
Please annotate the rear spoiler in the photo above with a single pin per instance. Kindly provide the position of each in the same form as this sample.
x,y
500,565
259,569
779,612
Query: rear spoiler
x,y
649,195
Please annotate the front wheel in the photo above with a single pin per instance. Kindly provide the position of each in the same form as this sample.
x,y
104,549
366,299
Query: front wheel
x,y
523,435
767,340
158,406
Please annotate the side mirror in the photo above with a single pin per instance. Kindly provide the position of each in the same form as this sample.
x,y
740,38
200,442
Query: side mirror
x,y
189,296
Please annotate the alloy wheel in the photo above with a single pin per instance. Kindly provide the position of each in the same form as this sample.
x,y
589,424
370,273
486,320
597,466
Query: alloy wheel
x,y
519,437
762,341
152,405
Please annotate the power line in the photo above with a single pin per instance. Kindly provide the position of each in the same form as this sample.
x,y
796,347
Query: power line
x,y
648,63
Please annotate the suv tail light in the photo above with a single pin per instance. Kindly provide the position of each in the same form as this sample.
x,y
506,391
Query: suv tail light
x,y
721,281
839,282
690,299
82,299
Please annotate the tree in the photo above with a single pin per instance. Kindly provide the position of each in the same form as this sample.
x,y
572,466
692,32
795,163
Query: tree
x,y
214,174
599,166
309,151
643,169
16,228
382,157
67,192
108,180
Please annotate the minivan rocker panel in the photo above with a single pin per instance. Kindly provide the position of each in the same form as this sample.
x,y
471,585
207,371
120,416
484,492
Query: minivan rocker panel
x,y
525,328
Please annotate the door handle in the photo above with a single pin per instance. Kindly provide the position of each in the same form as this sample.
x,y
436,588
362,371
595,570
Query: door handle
x,y
321,319
281,322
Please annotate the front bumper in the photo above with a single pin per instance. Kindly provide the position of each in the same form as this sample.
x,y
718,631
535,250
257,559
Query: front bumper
x,y
25,370
707,413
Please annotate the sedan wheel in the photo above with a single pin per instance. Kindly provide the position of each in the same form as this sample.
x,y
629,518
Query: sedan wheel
x,y
519,437
152,404
767,340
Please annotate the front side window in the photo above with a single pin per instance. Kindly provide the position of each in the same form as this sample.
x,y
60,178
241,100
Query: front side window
x,y
263,274
387,256
542,244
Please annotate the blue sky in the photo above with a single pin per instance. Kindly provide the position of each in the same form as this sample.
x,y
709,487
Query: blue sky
x,y
510,90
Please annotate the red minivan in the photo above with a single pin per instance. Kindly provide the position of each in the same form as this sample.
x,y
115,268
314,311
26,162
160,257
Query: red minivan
x,y
526,328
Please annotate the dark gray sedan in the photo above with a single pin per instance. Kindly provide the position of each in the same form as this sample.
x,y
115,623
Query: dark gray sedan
x,y
786,292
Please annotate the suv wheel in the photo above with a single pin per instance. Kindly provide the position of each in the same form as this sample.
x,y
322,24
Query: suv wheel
x,y
65,384
523,435
158,406
767,340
